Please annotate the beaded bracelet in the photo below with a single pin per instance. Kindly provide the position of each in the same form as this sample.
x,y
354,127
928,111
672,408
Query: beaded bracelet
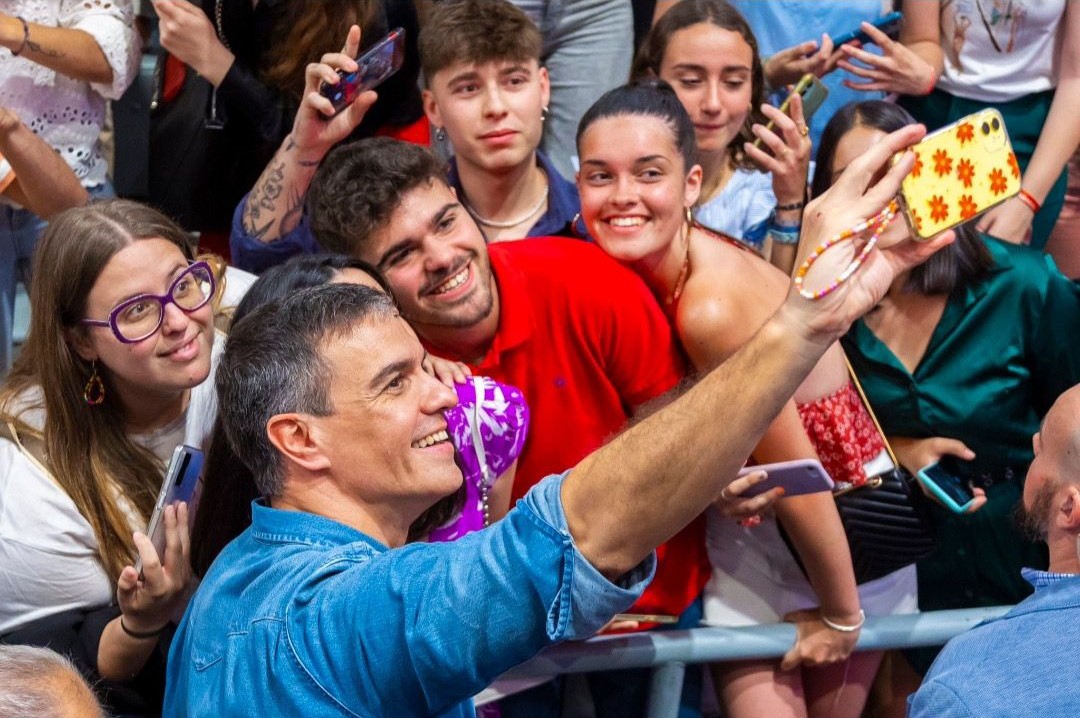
x,y
25,36
843,628
790,207
877,224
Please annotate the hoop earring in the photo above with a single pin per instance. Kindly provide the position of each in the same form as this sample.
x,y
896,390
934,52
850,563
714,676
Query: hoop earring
x,y
440,134
582,233
544,113
689,217
94,391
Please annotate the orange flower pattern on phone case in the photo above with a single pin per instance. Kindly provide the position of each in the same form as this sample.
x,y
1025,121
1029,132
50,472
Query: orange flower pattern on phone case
x,y
960,171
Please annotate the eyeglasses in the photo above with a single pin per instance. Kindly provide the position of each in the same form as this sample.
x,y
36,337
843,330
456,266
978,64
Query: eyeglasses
x,y
137,318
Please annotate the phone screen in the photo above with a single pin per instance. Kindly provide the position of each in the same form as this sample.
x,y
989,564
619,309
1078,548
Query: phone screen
x,y
953,486
377,64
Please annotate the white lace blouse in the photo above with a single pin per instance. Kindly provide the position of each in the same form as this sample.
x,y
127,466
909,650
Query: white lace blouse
x,y
68,113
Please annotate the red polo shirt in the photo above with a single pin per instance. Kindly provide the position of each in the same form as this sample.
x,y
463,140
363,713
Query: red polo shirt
x,y
585,341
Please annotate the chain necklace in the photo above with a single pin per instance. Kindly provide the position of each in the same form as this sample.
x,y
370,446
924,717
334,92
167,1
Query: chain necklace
x,y
681,281
513,222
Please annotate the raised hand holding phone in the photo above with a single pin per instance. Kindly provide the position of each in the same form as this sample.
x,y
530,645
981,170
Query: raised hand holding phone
x,y
319,124
150,599
381,61
788,143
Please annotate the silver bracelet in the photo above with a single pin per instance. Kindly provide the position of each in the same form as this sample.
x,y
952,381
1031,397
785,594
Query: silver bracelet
x,y
841,627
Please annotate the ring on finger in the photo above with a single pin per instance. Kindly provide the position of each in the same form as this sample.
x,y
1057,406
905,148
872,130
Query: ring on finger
x,y
804,130
724,494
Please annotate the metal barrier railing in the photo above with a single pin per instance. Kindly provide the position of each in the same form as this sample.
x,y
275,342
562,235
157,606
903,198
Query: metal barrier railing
x,y
668,652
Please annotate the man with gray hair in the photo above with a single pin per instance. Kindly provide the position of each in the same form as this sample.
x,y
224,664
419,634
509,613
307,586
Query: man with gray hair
x,y
1005,667
319,609
39,683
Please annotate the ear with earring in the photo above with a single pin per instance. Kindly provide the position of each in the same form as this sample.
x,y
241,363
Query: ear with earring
x,y
544,113
94,391
689,218
440,134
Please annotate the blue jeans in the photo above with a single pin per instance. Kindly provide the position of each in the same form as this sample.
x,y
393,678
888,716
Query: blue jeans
x,y
19,232
588,46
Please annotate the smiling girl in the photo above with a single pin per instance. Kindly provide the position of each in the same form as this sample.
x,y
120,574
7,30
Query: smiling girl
x,y
637,183
707,52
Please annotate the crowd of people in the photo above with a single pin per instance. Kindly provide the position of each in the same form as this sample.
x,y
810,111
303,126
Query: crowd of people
x,y
476,361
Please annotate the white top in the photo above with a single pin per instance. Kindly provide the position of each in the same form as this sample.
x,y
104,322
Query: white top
x,y
68,113
741,208
48,552
997,51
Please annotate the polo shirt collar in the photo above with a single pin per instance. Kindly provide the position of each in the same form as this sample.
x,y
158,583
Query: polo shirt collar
x,y
516,318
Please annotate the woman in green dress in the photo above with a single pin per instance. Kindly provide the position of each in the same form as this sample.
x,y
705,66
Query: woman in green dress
x,y
963,357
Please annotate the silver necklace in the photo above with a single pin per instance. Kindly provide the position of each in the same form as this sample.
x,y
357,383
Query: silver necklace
x,y
513,222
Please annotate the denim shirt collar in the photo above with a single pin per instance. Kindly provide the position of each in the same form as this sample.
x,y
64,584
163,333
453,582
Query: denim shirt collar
x,y
285,526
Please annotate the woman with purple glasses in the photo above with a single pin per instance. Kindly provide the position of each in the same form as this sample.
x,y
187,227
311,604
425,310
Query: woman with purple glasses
x,y
111,378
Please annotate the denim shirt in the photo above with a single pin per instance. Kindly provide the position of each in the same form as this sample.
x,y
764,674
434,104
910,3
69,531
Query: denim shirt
x,y
1024,663
303,616
250,254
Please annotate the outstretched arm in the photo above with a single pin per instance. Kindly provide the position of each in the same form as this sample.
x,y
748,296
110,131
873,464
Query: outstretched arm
x,y
639,490
276,202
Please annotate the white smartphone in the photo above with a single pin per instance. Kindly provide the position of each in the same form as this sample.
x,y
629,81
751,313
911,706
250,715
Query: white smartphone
x,y
802,476
181,479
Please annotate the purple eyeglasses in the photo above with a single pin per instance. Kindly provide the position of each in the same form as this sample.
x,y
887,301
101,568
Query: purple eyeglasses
x,y
135,319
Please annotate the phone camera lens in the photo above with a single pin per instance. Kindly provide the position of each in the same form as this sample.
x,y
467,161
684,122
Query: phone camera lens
x,y
986,128
996,124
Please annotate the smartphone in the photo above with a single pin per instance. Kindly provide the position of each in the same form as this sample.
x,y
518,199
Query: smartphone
x,y
888,24
960,171
813,93
944,482
381,61
181,478
645,618
802,476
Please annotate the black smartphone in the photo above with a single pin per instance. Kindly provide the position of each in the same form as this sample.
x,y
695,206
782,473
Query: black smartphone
x,y
948,482
181,479
381,61
888,24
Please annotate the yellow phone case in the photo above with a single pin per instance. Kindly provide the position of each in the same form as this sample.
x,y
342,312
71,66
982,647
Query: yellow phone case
x,y
960,171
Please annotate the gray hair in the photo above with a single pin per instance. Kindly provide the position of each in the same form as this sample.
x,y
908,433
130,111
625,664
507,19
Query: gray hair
x,y
273,365
40,683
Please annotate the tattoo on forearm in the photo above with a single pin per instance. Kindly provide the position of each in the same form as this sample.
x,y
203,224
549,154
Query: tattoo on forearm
x,y
292,215
259,232
35,47
263,197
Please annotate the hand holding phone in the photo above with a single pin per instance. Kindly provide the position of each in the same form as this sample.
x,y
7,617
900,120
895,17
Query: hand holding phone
x,y
802,476
812,91
381,61
944,482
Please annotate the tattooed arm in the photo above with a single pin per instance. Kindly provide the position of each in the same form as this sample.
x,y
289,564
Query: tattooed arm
x,y
276,202
70,52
